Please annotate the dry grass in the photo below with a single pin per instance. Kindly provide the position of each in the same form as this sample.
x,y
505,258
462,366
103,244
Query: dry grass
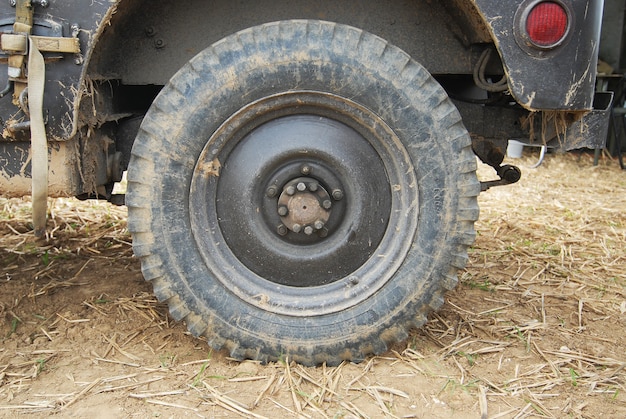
x,y
535,329
556,248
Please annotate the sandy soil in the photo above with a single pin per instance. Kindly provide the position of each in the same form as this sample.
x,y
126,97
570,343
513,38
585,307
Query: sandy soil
x,y
535,328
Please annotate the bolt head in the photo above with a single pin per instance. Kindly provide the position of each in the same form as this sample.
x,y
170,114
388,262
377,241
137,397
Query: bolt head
x,y
313,187
337,194
301,187
327,204
323,232
271,192
290,190
308,230
283,211
305,170
318,225
296,228
282,230
75,28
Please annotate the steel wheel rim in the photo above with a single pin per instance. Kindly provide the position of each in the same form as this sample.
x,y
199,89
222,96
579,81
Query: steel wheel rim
x,y
360,279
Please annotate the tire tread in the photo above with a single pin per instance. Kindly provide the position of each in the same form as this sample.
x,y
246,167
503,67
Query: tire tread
x,y
145,212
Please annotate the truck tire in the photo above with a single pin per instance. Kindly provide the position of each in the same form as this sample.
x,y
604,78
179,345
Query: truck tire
x,y
302,190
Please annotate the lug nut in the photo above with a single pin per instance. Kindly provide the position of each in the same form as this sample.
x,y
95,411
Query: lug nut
x,y
327,204
296,228
283,211
318,225
305,170
271,192
308,230
301,187
290,190
337,194
282,230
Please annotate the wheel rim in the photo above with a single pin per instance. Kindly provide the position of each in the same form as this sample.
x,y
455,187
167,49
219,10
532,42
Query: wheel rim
x,y
315,206
286,200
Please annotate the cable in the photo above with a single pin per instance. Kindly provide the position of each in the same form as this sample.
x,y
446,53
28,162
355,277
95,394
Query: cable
x,y
479,75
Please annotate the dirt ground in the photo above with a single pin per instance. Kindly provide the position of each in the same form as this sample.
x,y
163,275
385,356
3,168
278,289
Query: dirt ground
x,y
534,329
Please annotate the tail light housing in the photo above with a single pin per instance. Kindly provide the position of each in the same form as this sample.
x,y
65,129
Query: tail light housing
x,y
543,25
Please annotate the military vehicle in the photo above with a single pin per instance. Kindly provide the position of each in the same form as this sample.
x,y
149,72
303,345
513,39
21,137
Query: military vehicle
x,y
301,174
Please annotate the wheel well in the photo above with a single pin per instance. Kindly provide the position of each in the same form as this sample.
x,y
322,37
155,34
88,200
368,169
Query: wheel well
x,y
146,43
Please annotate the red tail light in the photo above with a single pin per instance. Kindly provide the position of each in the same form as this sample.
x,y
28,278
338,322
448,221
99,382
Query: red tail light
x,y
547,24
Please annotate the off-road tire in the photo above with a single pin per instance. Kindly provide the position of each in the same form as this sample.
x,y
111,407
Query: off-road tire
x,y
198,193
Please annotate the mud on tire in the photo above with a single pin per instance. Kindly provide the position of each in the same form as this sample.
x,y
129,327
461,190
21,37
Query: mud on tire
x,y
302,189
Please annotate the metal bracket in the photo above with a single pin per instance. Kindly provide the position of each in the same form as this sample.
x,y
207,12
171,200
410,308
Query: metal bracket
x,y
490,154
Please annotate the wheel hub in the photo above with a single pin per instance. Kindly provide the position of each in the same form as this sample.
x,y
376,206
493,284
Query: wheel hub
x,y
304,207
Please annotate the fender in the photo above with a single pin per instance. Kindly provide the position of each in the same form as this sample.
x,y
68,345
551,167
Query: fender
x,y
559,79
564,83
447,37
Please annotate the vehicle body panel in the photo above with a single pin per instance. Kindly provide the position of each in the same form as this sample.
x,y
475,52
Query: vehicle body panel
x,y
130,48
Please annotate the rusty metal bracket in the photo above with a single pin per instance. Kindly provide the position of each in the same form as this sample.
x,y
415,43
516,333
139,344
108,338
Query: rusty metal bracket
x,y
490,154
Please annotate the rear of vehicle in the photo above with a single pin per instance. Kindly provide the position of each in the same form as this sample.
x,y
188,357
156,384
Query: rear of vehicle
x,y
301,177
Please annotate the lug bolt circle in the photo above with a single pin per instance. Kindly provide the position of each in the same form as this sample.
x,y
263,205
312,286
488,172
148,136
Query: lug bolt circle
x,y
304,205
